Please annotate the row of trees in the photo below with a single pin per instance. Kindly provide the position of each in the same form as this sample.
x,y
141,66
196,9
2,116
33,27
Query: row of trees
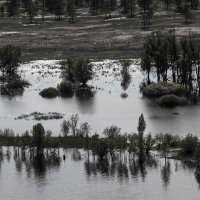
x,y
112,145
173,58
130,8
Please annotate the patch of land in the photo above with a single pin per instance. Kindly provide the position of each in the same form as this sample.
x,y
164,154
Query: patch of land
x,y
92,36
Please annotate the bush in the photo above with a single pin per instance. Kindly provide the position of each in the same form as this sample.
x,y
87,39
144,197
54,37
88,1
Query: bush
x,y
164,88
189,144
65,88
49,92
171,100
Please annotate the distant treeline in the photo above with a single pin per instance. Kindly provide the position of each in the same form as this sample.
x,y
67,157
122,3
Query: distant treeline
x,y
129,8
112,142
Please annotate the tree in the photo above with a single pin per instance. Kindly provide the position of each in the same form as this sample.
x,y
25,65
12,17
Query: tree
x,y
65,128
73,124
77,71
189,144
71,10
146,66
60,8
125,73
82,71
31,10
2,10
12,7
67,70
9,59
84,130
38,134
186,11
131,7
43,9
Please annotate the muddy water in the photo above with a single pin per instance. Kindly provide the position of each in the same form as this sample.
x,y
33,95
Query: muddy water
x,y
105,108
82,179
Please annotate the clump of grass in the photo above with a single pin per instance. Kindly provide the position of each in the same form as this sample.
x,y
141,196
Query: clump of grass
x,y
164,88
65,89
171,100
50,92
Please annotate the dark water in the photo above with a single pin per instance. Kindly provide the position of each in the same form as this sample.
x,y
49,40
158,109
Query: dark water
x,y
82,179
105,108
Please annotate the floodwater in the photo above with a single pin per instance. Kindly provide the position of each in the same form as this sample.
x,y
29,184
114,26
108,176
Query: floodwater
x,y
104,108
80,178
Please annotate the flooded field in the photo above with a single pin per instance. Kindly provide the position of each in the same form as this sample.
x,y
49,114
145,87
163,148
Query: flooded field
x,y
104,108
79,178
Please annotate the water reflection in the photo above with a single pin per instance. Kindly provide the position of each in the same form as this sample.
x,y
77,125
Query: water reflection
x,y
85,98
78,174
165,174
35,165
120,168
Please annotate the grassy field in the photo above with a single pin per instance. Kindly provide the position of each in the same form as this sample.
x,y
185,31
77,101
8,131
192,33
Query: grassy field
x,y
92,36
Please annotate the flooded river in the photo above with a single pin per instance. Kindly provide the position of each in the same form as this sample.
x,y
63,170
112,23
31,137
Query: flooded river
x,y
105,108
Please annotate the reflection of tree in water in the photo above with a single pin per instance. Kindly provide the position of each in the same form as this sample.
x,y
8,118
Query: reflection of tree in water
x,y
138,168
120,167
85,93
36,165
166,173
85,99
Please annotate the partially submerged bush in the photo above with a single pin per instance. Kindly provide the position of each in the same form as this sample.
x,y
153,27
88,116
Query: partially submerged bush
x,y
49,92
171,100
13,87
164,88
17,84
65,88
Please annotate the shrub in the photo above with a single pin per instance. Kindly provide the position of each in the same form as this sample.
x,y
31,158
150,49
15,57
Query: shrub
x,y
189,144
65,88
49,92
171,100
164,88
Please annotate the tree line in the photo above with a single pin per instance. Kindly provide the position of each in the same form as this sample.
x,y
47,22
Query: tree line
x,y
129,8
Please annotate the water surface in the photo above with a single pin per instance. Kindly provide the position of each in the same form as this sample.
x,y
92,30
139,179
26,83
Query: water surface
x,y
82,179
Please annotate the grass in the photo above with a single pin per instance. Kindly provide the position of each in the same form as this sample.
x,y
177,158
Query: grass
x,y
91,37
